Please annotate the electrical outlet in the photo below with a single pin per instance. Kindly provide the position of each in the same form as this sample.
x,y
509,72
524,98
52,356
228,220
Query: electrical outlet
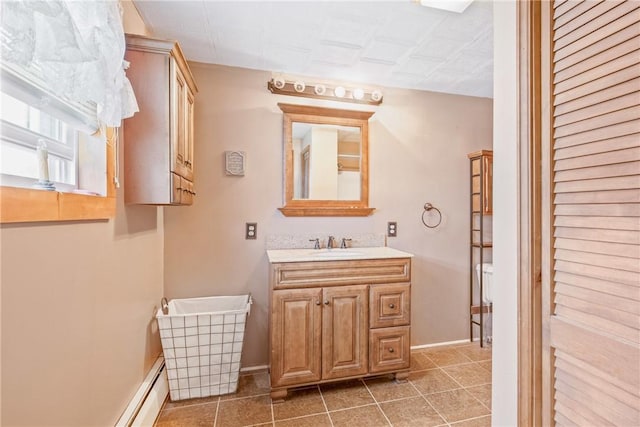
x,y
392,229
251,231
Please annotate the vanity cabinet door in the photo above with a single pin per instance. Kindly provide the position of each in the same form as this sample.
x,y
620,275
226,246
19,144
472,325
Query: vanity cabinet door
x,y
296,317
345,331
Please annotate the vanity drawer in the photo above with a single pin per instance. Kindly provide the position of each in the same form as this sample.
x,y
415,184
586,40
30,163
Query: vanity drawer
x,y
390,305
389,349
336,273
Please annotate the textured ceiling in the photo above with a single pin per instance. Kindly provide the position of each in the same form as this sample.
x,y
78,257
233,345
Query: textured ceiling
x,y
397,44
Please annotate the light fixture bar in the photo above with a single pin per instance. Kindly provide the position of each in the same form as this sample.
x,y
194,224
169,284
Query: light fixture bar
x,y
324,91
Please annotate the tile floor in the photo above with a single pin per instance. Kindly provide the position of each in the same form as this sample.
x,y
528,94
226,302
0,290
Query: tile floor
x,y
448,386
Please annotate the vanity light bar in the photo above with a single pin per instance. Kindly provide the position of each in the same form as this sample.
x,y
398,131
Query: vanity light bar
x,y
356,95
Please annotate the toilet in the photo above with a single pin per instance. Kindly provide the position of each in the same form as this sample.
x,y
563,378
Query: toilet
x,y
487,281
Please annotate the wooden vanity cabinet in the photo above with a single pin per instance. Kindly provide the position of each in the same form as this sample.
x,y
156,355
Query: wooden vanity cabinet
x,y
334,320
158,146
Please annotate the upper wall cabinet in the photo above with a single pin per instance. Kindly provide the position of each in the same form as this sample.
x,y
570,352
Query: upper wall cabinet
x,y
158,146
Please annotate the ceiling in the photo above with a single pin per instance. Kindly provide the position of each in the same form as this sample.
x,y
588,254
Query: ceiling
x,y
386,43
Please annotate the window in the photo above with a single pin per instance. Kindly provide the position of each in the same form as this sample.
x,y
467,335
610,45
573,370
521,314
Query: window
x,y
76,161
23,128
61,69
77,166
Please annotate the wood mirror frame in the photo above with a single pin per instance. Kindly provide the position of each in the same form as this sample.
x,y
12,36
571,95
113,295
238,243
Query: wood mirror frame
x,y
330,116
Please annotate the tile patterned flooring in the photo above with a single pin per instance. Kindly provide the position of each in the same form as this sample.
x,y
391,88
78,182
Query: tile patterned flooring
x,y
448,386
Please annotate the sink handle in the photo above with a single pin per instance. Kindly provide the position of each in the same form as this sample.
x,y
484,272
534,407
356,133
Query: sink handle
x,y
316,245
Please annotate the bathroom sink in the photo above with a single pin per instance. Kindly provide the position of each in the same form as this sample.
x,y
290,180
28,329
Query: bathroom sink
x,y
334,253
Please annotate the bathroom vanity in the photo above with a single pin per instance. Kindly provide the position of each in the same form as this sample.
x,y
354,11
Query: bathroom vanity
x,y
338,314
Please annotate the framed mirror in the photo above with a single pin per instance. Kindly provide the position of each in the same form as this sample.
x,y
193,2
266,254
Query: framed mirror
x,y
326,161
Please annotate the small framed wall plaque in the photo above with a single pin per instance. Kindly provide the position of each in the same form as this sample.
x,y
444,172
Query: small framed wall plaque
x,y
234,162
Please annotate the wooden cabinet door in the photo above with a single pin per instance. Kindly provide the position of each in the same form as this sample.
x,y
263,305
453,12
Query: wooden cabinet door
x,y
296,316
178,120
188,140
344,331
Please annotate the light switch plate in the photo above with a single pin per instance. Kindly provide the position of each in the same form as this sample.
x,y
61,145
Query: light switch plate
x,y
251,231
392,229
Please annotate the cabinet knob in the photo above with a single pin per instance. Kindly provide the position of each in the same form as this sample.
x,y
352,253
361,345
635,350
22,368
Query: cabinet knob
x,y
326,302
318,302
391,350
392,306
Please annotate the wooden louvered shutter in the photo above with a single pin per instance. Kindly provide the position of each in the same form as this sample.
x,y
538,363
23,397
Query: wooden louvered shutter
x,y
592,318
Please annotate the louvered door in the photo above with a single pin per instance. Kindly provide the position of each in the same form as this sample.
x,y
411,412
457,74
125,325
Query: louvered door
x,y
592,322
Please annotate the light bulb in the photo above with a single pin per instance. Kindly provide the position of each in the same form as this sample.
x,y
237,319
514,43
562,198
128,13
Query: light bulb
x,y
278,82
339,91
299,86
376,95
358,93
320,89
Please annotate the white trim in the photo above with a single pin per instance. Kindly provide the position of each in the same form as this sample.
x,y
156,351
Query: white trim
x,y
148,400
24,85
250,369
19,135
438,344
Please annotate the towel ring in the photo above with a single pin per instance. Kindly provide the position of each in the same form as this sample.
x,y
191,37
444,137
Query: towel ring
x,y
429,207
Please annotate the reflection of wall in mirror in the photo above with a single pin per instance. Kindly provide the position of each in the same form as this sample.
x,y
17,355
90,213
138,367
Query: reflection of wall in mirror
x,y
348,185
326,162
323,165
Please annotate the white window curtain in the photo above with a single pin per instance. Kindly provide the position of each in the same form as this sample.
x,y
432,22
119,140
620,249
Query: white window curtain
x,y
70,56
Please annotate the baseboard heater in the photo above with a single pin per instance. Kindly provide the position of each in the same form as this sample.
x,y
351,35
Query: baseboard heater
x,y
144,407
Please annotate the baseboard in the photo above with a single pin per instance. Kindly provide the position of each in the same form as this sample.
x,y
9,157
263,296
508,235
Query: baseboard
x,y
254,369
145,406
439,344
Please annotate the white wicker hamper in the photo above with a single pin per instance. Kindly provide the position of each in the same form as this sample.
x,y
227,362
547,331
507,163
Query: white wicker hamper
x,y
202,344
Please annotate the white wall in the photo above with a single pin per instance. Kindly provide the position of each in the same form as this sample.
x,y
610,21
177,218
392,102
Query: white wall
x,y
323,168
505,227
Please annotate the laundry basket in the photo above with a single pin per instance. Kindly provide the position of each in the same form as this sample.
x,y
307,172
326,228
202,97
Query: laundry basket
x,y
202,344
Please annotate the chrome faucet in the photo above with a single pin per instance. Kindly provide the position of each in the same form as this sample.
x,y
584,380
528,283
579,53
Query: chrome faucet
x,y
316,244
330,242
343,243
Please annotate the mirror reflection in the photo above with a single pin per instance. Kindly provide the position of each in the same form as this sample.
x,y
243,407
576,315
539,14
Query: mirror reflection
x,y
326,161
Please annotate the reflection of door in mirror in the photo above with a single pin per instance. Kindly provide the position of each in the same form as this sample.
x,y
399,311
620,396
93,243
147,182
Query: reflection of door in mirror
x,y
326,161
306,154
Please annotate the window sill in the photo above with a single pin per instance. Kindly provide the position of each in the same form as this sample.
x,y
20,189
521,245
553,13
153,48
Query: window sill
x,y
29,205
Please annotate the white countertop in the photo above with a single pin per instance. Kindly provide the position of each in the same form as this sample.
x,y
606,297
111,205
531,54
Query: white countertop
x,y
301,255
